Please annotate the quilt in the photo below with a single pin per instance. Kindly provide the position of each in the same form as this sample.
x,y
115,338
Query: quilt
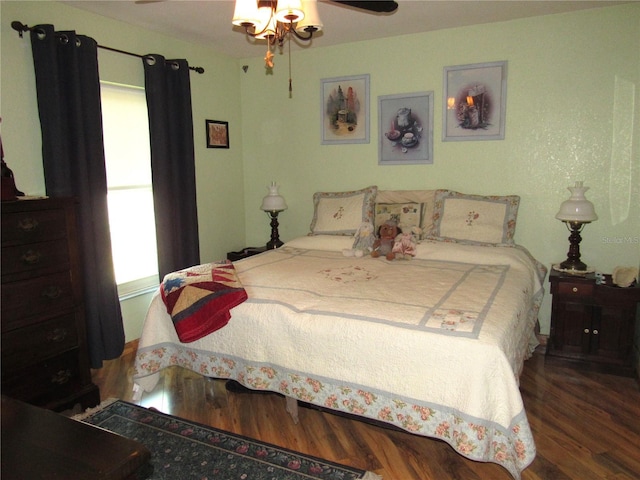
x,y
434,345
199,299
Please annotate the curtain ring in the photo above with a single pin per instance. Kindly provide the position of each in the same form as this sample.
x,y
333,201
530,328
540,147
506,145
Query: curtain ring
x,y
150,59
174,65
63,38
40,33
78,42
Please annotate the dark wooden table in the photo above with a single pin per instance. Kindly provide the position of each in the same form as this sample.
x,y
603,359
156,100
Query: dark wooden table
x,y
42,444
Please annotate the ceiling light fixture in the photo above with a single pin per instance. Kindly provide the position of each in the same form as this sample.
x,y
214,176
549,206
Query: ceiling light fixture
x,y
277,21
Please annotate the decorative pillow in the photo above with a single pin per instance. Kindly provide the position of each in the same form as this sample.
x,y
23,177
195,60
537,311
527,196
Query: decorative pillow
x,y
333,243
341,213
474,218
425,198
406,215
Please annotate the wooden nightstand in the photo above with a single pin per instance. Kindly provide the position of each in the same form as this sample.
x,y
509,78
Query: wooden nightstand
x,y
592,325
244,253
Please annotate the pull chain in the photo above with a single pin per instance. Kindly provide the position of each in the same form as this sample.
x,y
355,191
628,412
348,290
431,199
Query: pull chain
x,y
290,87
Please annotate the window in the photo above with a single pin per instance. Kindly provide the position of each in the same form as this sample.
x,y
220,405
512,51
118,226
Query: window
x,y
130,196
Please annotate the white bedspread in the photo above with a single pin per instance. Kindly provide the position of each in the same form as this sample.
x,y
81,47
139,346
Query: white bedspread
x,y
433,345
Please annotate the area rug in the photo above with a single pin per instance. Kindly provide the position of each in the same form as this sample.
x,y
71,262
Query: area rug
x,y
181,449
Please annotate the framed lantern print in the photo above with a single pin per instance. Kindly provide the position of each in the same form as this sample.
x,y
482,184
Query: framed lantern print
x,y
474,102
345,110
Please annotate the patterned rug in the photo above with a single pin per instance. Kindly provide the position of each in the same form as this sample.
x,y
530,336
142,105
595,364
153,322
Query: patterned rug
x,y
181,449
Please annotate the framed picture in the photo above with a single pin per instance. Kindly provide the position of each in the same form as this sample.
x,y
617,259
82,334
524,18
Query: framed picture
x,y
406,128
217,134
474,102
345,109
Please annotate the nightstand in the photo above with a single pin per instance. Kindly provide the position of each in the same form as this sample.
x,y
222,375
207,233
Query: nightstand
x,y
592,325
244,253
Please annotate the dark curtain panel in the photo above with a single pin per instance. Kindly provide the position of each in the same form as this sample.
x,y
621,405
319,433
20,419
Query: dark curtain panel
x,y
168,91
68,90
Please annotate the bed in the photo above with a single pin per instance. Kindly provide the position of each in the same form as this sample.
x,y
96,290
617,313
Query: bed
x,y
433,345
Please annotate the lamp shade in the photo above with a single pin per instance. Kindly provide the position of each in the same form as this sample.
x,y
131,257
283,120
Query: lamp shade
x,y
577,208
273,202
289,11
267,23
245,13
311,18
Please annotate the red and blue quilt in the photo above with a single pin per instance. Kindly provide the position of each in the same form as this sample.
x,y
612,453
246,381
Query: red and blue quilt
x,y
199,299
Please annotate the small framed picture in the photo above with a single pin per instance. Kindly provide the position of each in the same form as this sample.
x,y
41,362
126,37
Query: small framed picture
x,y
217,134
474,102
406,128
345,109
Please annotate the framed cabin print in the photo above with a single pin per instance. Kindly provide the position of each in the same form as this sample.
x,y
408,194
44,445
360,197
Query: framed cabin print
x,y
217,134
474,102
406,128
345,110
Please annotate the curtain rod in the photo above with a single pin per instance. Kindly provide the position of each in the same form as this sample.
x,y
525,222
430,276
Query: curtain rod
x,y
21,28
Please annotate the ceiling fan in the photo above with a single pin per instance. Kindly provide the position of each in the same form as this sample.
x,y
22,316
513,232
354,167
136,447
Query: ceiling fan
x,y
376,6
380,6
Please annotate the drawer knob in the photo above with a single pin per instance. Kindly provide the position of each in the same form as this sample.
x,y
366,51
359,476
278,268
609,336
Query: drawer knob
x,y
27,224
586,330
574,289
31,257
61,377
52,292
57,335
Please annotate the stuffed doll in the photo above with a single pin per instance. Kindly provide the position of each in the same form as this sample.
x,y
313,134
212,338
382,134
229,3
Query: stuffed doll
x,y
363,241
383,245
404,247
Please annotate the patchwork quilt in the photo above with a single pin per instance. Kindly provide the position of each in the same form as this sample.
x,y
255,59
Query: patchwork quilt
x,y
199,299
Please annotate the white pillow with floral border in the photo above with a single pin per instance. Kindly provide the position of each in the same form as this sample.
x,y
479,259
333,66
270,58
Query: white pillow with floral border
x,y
476,219
341,213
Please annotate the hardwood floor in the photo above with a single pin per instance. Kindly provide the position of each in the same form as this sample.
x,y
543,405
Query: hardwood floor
x,y
586,425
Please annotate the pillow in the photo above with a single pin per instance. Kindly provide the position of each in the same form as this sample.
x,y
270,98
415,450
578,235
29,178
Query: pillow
x,y
406,215
474,218
425,198
341,213
334,243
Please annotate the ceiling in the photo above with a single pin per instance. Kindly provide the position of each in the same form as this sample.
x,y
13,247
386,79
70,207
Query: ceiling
x,y
209,21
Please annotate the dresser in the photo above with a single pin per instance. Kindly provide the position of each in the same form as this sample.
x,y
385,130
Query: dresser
x,y
592,325
44,347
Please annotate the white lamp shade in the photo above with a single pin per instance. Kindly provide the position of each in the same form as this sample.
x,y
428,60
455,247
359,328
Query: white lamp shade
x,y
311,17
267,23
289,11
577,208
273,202
245,12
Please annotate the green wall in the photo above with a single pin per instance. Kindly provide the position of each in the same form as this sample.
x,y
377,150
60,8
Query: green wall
x,y
215,96
564,73
570,95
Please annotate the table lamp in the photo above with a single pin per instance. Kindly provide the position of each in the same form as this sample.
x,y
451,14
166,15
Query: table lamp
x,y
575,213
273,204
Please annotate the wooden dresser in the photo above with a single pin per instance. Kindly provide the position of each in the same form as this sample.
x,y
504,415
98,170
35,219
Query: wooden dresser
x,y
44,346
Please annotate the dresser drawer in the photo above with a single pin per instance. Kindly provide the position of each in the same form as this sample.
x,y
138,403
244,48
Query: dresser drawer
x,y
43,295
37,384
578,291
33,226
35,258
32,344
